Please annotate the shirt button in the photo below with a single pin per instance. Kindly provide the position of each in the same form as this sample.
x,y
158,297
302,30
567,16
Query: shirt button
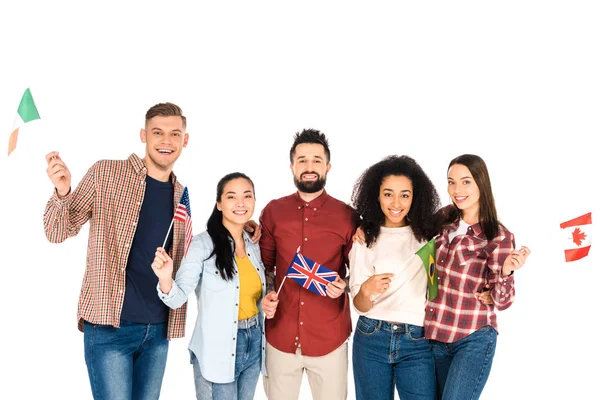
x,y
235,322
233,338
133,224
233,355
296,337
295,344
236,304
301,303
306,204
299,207
301,323
299,345
217,272
138,203
306,219
431,309
120,291
305,239
315,208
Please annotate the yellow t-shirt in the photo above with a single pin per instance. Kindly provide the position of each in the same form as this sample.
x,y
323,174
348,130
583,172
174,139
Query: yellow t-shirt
x,y
250,288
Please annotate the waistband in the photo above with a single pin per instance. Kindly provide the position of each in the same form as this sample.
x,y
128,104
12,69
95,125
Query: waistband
x,y
248,323
391,326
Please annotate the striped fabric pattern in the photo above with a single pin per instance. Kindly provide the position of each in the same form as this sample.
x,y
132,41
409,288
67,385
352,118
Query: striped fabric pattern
x,y
110,196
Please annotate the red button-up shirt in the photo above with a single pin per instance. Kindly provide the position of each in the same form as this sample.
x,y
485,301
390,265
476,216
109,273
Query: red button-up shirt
x,y
110,196
464,265
323,229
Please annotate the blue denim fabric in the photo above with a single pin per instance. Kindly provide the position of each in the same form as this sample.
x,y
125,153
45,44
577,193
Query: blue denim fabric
x,y
384,354
462,368
247,367
215,331
126,363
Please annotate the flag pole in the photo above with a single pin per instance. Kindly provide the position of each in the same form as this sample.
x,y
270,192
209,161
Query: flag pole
x,y
168,232
285,277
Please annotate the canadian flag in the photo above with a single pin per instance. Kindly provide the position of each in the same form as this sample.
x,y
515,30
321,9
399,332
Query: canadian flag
x,y
578,235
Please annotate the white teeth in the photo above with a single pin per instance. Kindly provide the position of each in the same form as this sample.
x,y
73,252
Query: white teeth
x,y
395,212
165,151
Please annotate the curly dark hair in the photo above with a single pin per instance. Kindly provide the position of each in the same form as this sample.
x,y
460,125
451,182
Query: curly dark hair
x,y
365,197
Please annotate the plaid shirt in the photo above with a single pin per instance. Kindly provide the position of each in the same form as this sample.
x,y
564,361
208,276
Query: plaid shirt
x,y
110,196
464,266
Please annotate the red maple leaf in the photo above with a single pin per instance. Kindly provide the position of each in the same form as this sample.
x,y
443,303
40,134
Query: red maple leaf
x,y
578,236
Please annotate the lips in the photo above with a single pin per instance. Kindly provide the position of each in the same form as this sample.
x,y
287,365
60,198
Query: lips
x,y
395,213
310,176
165,151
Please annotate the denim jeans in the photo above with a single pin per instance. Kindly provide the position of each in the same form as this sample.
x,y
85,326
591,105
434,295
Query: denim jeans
x,y
247,368
384,354
126,363
463,367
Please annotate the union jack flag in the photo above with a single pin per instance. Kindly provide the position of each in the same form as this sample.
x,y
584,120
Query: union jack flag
x,y
310,274
183,213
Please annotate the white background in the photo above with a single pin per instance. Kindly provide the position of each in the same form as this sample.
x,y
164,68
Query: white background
x,y
516,82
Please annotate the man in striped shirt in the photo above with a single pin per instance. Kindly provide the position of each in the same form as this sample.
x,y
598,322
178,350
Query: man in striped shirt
x,y
130,205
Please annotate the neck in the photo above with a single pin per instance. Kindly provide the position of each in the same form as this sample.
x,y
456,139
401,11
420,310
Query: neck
x,y
156,172
235,230
308,197
470,217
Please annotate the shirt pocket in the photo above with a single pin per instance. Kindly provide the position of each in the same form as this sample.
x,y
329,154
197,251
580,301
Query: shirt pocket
x,y
212,279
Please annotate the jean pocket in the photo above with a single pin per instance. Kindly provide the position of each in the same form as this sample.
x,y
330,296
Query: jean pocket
x,y
416,333
366,326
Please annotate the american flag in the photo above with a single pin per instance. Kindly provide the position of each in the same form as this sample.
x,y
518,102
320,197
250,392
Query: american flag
x,y
183,213
310,274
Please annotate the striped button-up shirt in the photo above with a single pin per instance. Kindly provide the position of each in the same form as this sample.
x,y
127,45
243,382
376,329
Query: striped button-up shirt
x,y
464,266
110,196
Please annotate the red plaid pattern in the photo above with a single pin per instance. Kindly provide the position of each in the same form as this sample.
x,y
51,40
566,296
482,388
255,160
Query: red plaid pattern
x,y
464,267
110,196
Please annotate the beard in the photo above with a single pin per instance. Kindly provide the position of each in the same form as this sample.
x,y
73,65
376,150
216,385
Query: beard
x,y
310,187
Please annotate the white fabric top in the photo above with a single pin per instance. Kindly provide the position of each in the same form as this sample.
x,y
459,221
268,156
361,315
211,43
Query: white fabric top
x,y
461,230
393,252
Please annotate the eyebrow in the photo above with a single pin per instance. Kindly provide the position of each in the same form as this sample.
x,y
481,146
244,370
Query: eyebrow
x,y
401,191
319,157
246,191
464,177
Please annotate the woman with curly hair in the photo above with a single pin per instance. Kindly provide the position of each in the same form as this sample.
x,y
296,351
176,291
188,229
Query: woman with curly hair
x,y
396,201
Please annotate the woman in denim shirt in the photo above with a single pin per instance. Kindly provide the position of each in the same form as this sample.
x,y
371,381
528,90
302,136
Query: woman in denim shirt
x,y
224,268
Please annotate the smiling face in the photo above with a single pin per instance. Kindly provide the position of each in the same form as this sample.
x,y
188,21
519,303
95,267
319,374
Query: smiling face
x,y
463,190
395,199
165,137
237,202
310,166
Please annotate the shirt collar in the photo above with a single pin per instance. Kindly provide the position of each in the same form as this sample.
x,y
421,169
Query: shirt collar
x,y
314,203
477,231
140,168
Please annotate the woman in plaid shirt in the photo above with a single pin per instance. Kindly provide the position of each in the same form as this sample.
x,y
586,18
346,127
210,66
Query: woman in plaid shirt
x,y
474,251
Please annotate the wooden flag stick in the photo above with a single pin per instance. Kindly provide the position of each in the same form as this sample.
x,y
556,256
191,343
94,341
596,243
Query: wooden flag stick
x,y
285,277
168,232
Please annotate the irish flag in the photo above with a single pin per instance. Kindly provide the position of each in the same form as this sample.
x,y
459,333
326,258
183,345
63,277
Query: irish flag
x,y
27,112
578,237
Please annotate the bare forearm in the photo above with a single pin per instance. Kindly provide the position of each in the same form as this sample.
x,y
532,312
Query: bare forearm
x,y
362,301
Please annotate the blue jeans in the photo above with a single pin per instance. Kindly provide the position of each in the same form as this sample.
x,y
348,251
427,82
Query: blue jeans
x,y
247,368
384,354
126,363
463,367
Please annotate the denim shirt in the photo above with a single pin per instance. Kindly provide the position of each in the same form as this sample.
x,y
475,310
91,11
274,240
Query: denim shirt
x,y
218,301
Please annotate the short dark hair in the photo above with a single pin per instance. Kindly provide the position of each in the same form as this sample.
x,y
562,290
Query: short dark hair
x,y
165,110
310,136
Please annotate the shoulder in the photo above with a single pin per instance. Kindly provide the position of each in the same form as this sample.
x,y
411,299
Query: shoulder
x,y
503,234
202,245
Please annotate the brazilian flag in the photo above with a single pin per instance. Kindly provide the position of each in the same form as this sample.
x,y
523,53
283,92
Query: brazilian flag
x,y
427,255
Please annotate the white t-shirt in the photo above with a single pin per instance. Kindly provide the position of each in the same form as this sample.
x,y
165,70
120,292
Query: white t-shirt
x,y
393,252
